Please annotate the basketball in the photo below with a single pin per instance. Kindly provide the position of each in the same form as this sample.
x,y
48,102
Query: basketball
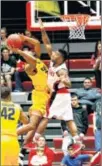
x,y
14,40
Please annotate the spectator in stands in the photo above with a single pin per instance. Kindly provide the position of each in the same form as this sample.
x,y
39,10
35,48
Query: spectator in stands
x,y
88,95
3,37
74,158
39,158
80,118
96,62
41,143
97,119
20,74
8,65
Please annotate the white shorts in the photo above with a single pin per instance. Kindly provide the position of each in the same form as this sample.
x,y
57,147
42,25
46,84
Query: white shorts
x,y
61,107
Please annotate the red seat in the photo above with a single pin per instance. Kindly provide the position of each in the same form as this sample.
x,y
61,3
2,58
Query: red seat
x,y
90,118
88,141
27,85
76,63
90,131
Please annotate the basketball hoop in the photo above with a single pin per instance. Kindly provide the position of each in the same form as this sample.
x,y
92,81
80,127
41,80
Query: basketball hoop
x,y
76,31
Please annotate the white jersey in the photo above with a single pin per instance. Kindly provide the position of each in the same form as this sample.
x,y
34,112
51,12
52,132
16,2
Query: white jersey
x,y
52,76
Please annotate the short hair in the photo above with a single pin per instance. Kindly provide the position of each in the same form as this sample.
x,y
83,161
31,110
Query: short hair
x,y
5,92
42,137
74,95
88,78
4,48
4,28
63,54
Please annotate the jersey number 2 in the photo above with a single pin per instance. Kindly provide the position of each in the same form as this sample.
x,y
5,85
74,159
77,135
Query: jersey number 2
x,y
8,113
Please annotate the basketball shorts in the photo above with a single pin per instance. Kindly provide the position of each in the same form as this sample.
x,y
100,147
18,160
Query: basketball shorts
x,y
61,107
9,151
39,100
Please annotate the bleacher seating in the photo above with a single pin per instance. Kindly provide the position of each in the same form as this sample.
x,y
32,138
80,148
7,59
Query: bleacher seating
x,y
53,126
88,141
79,66
77,75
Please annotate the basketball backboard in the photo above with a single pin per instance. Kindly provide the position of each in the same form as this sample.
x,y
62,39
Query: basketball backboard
x,y
50,12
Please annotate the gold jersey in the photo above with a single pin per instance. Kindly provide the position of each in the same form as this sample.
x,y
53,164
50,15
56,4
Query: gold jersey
x,y
10,115
39,80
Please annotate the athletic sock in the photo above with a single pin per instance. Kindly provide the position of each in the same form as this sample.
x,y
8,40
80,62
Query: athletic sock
x,y
21,156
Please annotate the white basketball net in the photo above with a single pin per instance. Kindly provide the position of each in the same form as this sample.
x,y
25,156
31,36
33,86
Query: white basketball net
x,y
77,31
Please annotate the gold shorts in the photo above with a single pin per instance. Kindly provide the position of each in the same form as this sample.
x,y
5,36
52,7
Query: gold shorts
x,y
9,150
39,100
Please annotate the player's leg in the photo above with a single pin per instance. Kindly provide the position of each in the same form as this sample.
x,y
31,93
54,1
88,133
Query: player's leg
x,y
35,118
41,127
70,123
74,132
41,105
72,127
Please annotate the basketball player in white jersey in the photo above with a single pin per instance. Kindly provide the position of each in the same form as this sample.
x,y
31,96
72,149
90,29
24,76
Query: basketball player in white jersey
x,y
59,82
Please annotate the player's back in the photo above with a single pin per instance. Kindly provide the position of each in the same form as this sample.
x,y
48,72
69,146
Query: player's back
x,y
10,114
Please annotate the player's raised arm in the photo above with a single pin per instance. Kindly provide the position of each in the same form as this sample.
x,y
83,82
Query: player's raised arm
x,y
45,38
35,42
29,58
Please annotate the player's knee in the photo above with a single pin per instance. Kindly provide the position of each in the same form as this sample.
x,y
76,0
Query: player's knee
x,y
8,77
31,126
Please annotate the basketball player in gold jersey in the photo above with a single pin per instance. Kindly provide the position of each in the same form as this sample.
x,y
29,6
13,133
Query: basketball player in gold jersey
x,y
37,71
11,113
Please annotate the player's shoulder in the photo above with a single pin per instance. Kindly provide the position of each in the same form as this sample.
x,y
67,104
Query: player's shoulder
x,y
39,61
63,65
18,106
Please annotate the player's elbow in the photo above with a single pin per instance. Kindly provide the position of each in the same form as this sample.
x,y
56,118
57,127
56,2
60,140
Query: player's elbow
x,y
25,121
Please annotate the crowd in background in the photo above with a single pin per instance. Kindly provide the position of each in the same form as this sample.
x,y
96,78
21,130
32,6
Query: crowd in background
x,y
85,100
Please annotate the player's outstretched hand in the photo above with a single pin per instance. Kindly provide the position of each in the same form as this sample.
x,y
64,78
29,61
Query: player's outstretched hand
x,y
41,23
